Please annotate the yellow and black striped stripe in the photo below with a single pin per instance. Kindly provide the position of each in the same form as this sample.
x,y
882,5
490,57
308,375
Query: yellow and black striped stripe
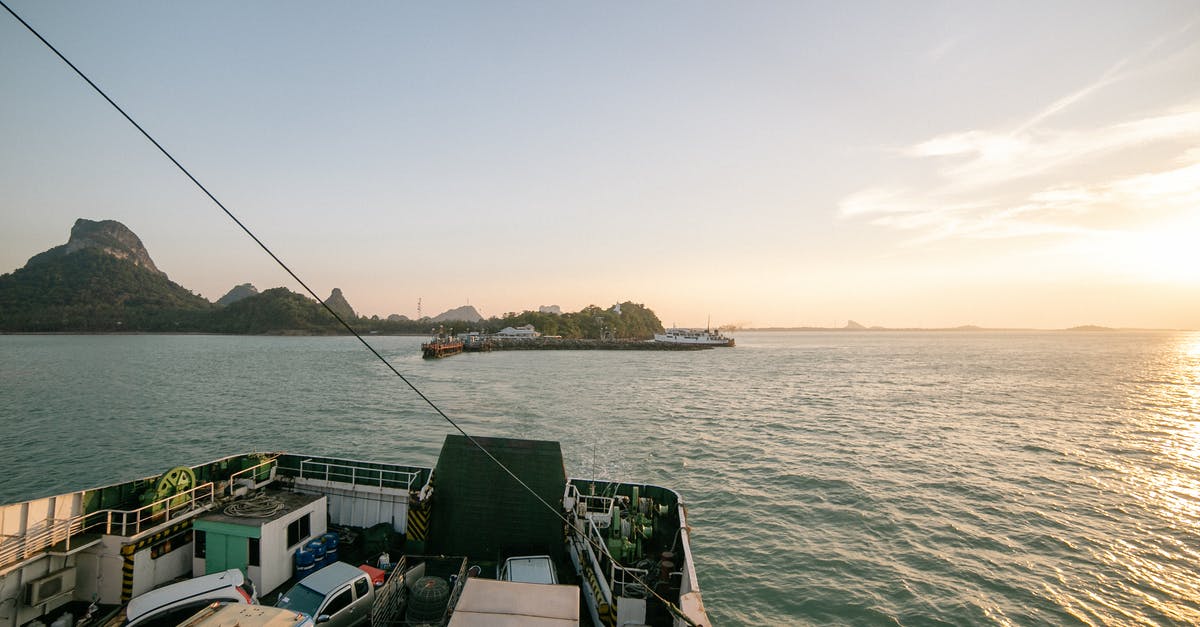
x,y
126,577
607,616
417,525
418,521
134,547
128,551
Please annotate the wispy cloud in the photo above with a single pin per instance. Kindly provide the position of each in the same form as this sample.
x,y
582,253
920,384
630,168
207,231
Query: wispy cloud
x,y
1035,180
1113,75
978,159
1060,209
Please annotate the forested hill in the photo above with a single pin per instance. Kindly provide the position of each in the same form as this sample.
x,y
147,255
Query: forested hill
x,y
103,280
91,291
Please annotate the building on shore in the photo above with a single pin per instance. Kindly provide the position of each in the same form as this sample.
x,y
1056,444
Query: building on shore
x,y
525,332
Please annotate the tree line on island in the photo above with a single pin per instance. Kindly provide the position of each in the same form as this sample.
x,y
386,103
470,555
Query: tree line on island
x,y
103,281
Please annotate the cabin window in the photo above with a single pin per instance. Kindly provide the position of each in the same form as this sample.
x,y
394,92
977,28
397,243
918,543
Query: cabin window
x,y
298,531
361,587
339,603
252,553
198,545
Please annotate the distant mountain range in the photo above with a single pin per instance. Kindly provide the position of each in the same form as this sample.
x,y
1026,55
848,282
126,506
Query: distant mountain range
x,y
103,280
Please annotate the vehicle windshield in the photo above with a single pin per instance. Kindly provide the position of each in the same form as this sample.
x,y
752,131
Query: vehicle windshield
x,y
301,599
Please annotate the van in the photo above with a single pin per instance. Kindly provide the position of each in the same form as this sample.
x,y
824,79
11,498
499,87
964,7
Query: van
x,y
338,595
172,604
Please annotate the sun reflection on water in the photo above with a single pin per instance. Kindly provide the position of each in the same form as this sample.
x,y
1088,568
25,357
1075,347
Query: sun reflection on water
x,y
1165,479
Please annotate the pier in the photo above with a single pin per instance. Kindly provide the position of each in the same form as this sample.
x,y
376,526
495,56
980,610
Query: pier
x,y
542,343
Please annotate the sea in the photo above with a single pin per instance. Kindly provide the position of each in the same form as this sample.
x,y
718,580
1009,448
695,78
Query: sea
x,y
831,478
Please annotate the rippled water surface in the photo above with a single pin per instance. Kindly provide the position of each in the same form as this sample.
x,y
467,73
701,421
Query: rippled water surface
x,y
833,478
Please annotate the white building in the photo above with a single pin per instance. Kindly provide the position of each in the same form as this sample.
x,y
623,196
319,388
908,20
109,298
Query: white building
x,y
525,332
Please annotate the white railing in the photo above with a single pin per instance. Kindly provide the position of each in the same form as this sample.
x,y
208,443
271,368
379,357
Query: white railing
x,y
312,469
130,523
620,579
14,549
253,472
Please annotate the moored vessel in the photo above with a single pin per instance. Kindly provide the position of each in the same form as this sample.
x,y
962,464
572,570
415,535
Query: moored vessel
x,y
697,337
441,345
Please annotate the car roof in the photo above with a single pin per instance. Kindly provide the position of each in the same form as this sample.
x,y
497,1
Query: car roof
x,y
220,614
325,580
531,569
187,589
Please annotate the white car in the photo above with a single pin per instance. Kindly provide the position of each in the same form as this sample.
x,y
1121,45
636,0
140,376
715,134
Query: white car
x,y
172,604
529,569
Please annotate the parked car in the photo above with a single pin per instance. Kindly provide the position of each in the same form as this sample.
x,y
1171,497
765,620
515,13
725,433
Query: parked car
x,y
338,595
529,569
223,614
172,604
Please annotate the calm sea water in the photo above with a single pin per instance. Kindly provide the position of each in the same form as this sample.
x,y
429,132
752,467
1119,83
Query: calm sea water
x,y
833,478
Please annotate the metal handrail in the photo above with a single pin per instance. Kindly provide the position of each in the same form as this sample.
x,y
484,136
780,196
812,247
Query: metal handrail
x,y
253,469
612,571
398,476
14,549
120,519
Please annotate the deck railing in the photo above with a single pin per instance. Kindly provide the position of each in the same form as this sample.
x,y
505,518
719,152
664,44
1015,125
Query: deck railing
x,y
130,523
37,539
260,472
14,549
356,475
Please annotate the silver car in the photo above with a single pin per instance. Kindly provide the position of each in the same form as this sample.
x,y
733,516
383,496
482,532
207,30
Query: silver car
x,y
338,595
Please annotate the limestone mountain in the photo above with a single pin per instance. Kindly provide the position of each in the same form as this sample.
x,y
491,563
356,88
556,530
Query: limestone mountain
x,y
466,313
245,290
337,302
102,279
106,236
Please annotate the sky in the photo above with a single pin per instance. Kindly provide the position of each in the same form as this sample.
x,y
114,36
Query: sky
x,y
923,164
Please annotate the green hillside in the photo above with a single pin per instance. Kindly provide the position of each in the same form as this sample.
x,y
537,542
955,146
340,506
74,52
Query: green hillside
x,y
91,291
277,310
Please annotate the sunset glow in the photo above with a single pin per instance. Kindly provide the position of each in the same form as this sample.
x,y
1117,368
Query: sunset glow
x,y
792,165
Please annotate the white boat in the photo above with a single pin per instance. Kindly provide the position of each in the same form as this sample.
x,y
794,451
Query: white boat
x,y
698,337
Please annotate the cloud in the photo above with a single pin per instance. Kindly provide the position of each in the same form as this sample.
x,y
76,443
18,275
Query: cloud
x,y
1004,185
1036,180
1111,76
976,159
1080,209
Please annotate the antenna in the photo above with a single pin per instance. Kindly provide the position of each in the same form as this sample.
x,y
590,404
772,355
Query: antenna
x,y
418,308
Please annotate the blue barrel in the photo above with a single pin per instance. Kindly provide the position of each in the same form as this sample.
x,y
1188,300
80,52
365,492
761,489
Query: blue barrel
x,y
305,562
331,547
318,550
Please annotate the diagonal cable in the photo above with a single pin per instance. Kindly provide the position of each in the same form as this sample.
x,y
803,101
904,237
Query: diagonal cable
x,y
312,293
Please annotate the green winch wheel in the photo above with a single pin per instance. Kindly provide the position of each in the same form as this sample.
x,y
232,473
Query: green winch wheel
x,y
177,480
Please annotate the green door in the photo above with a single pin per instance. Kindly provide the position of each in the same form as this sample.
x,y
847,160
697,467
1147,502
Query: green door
x,y
225,552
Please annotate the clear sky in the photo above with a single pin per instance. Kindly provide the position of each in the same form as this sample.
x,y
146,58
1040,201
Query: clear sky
x,y
1028,164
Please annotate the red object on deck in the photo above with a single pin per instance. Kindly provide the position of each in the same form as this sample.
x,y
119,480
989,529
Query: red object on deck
x,y
376,574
